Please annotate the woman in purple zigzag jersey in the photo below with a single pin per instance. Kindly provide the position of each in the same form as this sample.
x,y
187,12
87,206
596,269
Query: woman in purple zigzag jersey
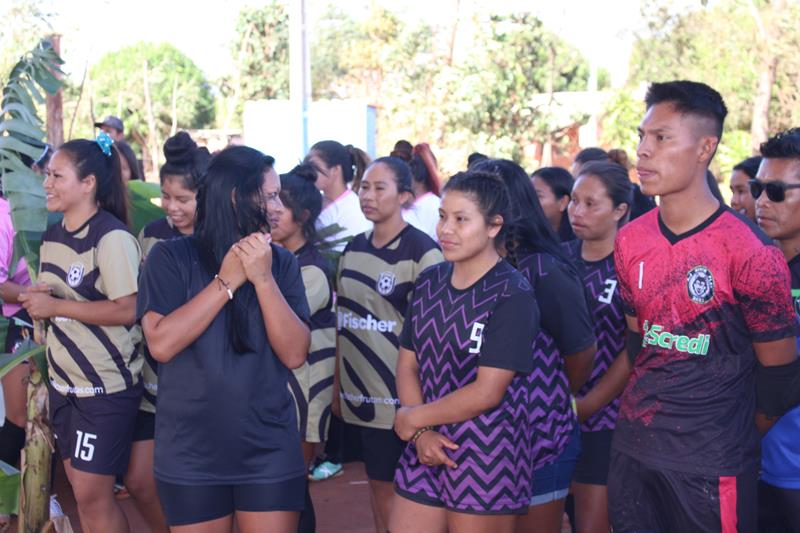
x,y
462,375
563,350
599,205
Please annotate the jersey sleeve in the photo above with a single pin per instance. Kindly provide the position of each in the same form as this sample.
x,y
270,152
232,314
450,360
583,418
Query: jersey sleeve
x,y
287,274
763,290
509,334
162,289
564,311
118,258
431,257
622,278
316,285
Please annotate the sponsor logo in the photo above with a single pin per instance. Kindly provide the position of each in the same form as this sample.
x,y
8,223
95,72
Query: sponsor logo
x,y
360,398
656,336
75,274
700,284
368,323
65,389
385,284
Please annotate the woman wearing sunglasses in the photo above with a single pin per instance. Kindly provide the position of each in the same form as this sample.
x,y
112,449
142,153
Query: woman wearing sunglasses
x,y
776,189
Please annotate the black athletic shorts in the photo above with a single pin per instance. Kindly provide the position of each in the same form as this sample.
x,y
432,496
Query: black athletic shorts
x,y
381,449
778,509
595,456
643,498
145,426
193,504
95,432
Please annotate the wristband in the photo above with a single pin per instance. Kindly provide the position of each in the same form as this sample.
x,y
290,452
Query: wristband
x,y
419,432
223,283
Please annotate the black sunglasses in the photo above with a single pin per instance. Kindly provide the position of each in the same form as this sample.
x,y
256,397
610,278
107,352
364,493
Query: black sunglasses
x,y
776,190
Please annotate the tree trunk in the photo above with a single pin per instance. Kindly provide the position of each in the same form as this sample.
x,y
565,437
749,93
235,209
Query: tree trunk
x,y
151,123
759,128
55,105
34,505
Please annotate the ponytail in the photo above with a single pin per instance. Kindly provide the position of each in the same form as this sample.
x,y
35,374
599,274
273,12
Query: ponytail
x,y
89,158
360,160
352,161
424,168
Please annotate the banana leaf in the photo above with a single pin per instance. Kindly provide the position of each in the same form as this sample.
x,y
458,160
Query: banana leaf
x,y
143,210
9,489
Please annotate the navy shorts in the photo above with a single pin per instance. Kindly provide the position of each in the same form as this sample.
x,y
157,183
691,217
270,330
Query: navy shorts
x,y
95,433
592,468
648,498
145,426
193,504
381,450
551,482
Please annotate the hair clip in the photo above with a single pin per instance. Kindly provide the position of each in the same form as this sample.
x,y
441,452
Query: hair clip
x,y
104,142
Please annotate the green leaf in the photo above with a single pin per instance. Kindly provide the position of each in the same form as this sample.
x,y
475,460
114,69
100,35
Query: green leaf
x,y
9,360
143,211
20,126
26,181
10,143
9,489
29,219
20,109
34,91
21,95
45,78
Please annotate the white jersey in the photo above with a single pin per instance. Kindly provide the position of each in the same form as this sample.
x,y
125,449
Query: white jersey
x,y
346,212
424,214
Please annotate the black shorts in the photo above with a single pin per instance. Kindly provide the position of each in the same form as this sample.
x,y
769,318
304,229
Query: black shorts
x,y
145,426
16,333
381,449
778,509
186,504
645,498
95,432
595,456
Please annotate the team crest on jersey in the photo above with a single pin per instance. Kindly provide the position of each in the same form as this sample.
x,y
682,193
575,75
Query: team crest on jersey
x,y
75,274
700,284
386,281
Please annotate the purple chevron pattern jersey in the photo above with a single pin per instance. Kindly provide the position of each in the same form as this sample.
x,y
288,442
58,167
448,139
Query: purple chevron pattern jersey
x,y
454,332
608,317
566,329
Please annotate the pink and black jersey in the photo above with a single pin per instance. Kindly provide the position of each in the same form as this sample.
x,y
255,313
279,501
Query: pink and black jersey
x,y
453,333
701,300
605,304
565,329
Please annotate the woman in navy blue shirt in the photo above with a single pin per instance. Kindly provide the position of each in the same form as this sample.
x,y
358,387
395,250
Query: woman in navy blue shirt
x,y
224,312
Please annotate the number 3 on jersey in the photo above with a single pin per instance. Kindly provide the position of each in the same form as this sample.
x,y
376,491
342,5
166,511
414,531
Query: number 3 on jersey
x,y
477,337
84,449
608,293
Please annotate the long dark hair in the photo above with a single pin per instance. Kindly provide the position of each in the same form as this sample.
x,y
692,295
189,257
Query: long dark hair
x,y
529,231
230,205
89,159
126,151
352,160
300,196
560,182
616,181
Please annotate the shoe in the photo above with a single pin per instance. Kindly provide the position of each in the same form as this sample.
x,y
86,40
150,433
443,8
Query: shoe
x,y
325,470
55,508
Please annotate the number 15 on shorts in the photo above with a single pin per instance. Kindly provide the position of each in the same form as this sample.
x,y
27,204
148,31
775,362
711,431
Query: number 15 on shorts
x,y
84,449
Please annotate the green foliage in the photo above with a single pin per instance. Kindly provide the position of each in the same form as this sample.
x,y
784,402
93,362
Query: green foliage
x,y
734,148
619,122
262,45
24,22
118,82
143,211
9,489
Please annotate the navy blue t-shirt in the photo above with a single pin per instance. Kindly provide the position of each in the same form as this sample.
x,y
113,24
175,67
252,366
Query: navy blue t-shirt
x,y
223,417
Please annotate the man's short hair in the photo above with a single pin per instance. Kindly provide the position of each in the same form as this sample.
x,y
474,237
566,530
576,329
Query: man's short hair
x,y
691,98
785,145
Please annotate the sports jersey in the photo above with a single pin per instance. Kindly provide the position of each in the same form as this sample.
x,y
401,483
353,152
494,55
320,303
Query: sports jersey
x,y
312,384
223,417
98,261
424,214
780,447
701,299
14,273
346,212
608,317
566,328
453,333
374,288
156,231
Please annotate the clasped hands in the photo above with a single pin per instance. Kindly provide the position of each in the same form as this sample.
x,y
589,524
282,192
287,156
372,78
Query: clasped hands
x,y
249,259
431,445
39,302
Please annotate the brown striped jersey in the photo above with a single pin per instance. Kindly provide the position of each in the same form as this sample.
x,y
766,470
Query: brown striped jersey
x,y
99,261
152,233
373,291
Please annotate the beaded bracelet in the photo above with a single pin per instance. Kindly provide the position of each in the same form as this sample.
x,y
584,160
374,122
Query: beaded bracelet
x,y
419,432
223,283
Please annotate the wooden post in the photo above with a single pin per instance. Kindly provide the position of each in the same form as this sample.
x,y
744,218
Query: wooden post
x,y
55,105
